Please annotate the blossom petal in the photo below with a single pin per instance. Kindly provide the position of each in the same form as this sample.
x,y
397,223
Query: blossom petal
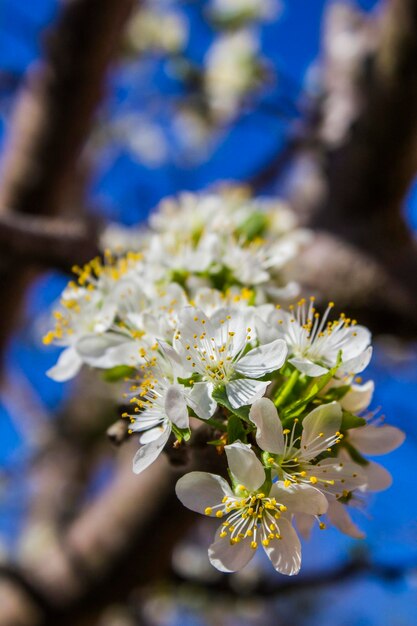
x,y
105,317
300,498
109,350
199,490
149,452
358,397
245,391
171,354
356,364
269,434
305,524
265,330
228,557
338,515
263,359
285,553
335,476
320,426
176,407
245,465
359,338
376,440
151,435
237,323
201,401
68,365
191,324
307,367
377,477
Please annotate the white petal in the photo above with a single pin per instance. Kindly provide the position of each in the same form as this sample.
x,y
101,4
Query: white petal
x,y
377,477
269,435
357,364
190,324
338,515
245,391
68,365
150,435
149,452
305,524
201,401
237,323
105,317
376,440
358,397
343,475
266,332
94,346
307,367
300,498
199,490
263,359
285,553
109,350
171,354
230,558
359,339
245,465
175,406
319,425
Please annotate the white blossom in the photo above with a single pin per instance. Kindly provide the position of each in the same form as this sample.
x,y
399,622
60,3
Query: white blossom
x,y
314,343
215,348
252,516
293,456
160,403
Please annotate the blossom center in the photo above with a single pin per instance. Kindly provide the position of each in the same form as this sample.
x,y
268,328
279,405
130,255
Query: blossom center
x,y
254,516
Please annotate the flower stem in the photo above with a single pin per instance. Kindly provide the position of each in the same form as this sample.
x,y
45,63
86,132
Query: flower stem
x,y
219,424
286,388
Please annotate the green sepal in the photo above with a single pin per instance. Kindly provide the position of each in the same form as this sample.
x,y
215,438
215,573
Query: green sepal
x,y
235,429
350,420
182,434
215,423
337,393
220,396
180,277
223,279
265,456
189,382
266,486
117,373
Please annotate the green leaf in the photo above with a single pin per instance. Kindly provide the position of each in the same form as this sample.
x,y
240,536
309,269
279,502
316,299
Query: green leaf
x,y
313,390
221,398
254,226
235,429
349,420
119,372
337,393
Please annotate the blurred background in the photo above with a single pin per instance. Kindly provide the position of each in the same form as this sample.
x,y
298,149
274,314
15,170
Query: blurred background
x,y
108,106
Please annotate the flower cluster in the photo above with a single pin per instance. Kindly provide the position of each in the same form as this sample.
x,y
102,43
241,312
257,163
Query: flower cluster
x,y
194,316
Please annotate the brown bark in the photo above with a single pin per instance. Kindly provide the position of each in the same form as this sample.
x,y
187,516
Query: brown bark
x,y
52,118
